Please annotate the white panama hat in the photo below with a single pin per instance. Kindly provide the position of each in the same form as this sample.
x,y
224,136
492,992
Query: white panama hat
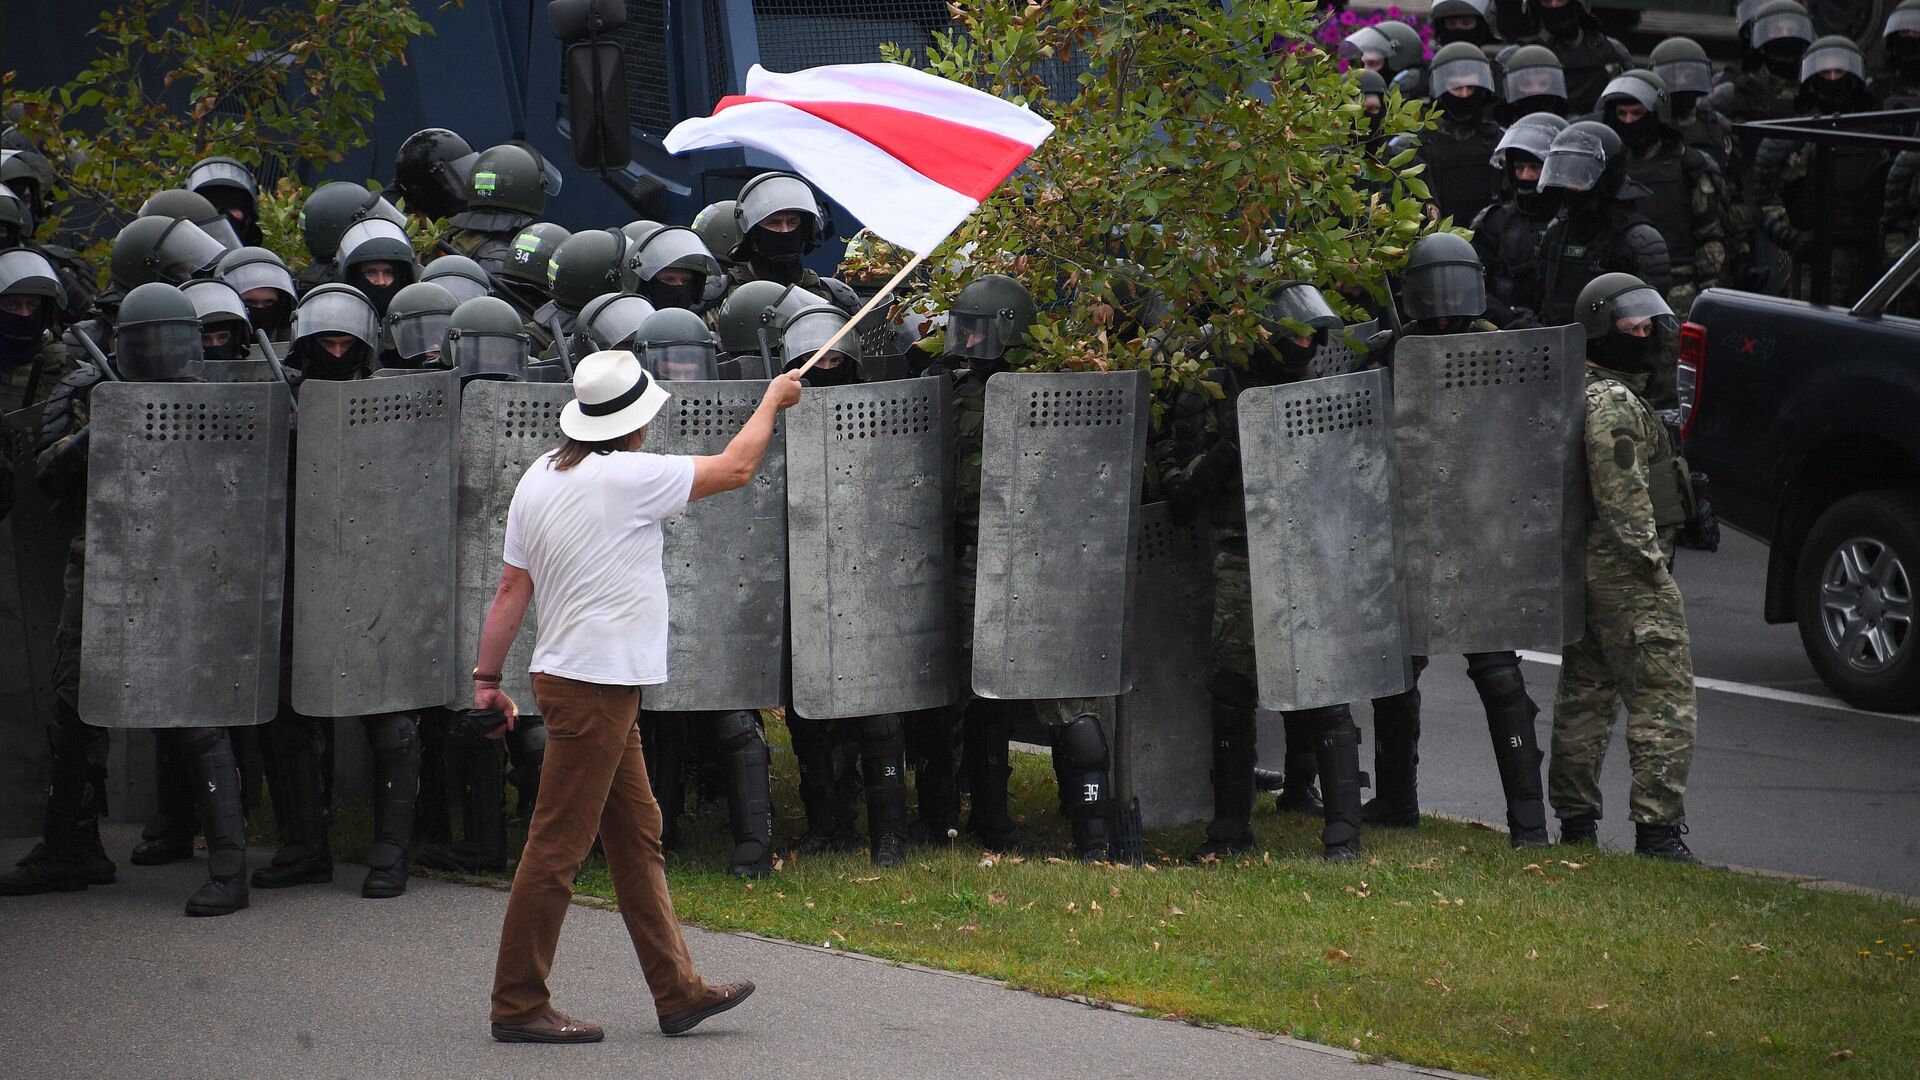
x,y
612,396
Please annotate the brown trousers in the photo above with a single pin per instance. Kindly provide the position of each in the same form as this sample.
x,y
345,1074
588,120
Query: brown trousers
x,y
593,780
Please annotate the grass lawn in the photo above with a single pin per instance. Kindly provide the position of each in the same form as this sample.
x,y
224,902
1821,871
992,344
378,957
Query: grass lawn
x,y
1440,947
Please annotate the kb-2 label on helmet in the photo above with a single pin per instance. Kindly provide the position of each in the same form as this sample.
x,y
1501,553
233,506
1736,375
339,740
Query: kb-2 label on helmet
x,y
484,182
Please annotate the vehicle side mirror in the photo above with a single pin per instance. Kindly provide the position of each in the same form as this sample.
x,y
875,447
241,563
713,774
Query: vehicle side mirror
x,y
596,81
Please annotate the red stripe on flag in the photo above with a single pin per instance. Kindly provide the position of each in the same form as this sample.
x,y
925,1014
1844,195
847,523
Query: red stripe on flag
x,y
970,160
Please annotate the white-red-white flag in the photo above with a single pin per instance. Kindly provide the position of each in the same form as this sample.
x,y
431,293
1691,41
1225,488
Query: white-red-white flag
x,y
909,153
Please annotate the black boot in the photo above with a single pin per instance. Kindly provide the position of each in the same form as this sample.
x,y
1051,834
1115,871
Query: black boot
x,y
208,754
1297,794
432,824
883,763
395,741
1396,762
294,775
824,799
1516,750
526,755
1663,842
1080,758
168,835
70,856
988,727
474,763
930,741
1231,830
1339,758
1580,831
663,741
749,793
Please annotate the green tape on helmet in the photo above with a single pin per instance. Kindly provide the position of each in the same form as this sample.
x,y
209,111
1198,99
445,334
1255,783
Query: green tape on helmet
x,y
484,182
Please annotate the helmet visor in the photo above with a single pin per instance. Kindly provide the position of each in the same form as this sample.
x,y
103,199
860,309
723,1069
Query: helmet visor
x,y
28,273
1446,290
1469,72
221,229
1635,307
149,352
215,300
613,326
1832,58
677,248
808,331
762,200
418,336
1904,20
1364,43
336,312
1530,139
247,276
462,287
1686,76
679,361
1302,305
1782,26
221,174
975,335
1576,161
1542,81
184,250
478,355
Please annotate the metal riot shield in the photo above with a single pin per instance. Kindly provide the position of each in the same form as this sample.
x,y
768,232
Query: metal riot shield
x,y
869,515
1059,502
886,367
373,550
1316,467
186,554
1487,444
1169,737
726,562
504,428
1345,351
232,371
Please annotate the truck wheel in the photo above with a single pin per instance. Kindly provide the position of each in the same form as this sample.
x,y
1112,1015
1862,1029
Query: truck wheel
x,y
1854,592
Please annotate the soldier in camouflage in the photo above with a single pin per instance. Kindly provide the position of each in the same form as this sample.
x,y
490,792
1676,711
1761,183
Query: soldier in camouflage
x,y
1635,652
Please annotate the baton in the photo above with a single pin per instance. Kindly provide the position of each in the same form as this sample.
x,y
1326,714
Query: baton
x,y
266,350
99,357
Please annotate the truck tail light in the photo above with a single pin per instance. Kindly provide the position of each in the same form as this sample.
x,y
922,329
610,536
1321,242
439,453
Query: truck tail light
x,y
1693,365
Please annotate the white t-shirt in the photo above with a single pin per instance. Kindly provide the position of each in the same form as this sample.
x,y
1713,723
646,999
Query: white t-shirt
x,y
590,538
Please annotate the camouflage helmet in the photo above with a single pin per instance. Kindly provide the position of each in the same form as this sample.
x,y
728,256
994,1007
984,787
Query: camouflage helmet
x,y
195,207
757,309
585,265
1683,65
161,249
989,316
532,253
333,208
156,334
1443,279
718,230
485,339
416,321
674,344
459,275
508,177
1612,298
609,323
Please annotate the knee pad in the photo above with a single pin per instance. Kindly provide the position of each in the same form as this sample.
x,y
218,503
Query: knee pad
x,y
1234,689
1497,677
1332,721
885,727
197,742
394,734
735,730
1081,744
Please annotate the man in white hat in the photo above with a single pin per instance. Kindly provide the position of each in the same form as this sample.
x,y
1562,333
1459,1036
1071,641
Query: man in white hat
x,y
583,536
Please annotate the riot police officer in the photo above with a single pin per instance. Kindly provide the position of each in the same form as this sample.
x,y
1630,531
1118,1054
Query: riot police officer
x,y
506,191
462,277
155,248
1897,85
430,171
1587,55
265,285
415,324
376,258
1535,81
609,323
1470,21
522,281
1391,48
671,268
1765,83
780,220
230,186
1683,66
325,217
1686,200
585,265
1598,227
1457,151
1507,235
32,357
718,229
225,333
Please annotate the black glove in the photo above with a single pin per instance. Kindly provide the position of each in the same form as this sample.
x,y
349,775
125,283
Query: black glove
x,y
475,724
65,472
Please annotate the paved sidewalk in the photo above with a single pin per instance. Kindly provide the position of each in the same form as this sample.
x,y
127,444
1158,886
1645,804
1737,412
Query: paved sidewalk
x,y
316,982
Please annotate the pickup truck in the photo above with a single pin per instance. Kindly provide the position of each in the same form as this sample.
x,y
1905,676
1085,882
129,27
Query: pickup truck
x,y
1807,419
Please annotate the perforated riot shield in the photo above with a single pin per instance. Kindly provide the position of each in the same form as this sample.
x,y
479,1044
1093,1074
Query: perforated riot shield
x,y
1345,351
504,428
726,562
1059,505
1487,436
1316,467
230,371
373,550
1169,737
869,489
186,554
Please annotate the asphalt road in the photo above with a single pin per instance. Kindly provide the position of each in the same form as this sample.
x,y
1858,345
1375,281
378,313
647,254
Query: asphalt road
x,y
1805,785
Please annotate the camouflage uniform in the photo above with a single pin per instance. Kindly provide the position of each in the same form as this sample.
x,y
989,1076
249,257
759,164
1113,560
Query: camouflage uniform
x,y
1636,651
841,297
1783,192
1741,97
1901,208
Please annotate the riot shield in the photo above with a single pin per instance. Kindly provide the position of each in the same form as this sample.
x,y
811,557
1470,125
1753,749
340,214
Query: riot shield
x,y
887,367
869,489
231,371
373,550
1316,467
504,428
1059,502
186,554
1487,444
1169,737
33,552
726,562
1345,351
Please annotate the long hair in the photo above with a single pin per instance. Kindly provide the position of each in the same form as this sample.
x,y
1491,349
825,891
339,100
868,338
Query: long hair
x,y
573,451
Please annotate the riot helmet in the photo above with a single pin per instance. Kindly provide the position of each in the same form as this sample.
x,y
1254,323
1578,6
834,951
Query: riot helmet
x,y
989,317
1781,32
230,186
416,321
459,275
191,206
757,310
609,322
225,330
16,219
28,174
1744,13
671,268
1520,155
336,333
1634,105
1832,72
508,177
779,218
1583,159
1381,48
674,344
532,254
156,335
485,340
1444,282
808,329
1536,81
1561,18
265,285
377,258
718,230
1626,321
1296,320
429,172
1469,21
31,296
333,208
586,265
1901,38
162,249
1683,65
1460,81
1371,89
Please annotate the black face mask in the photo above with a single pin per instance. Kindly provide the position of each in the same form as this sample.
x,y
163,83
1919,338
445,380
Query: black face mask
x,y
378,295
234,349
1832,92
780,246
1283,359
275,318
1546,103
1782,63
1463,110
663,295
1479,35
1536,201
1625,353
840,374
1562,20
1683,105
23,329
1640,134
326,367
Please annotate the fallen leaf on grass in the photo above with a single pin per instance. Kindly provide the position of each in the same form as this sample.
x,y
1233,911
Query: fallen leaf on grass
x,y
1462,849
997,899
1056,860
1307,896
1093,905
1072,908
1533,954
1601,1007
1339,954
1150,868
1532,868
1365,890
1355,1043
866,880
838,935
1156,946
1756,947
1841,1055
749,886
988,862
1573,865
968,928
1174,910
1113,891
1437,984
1733,978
